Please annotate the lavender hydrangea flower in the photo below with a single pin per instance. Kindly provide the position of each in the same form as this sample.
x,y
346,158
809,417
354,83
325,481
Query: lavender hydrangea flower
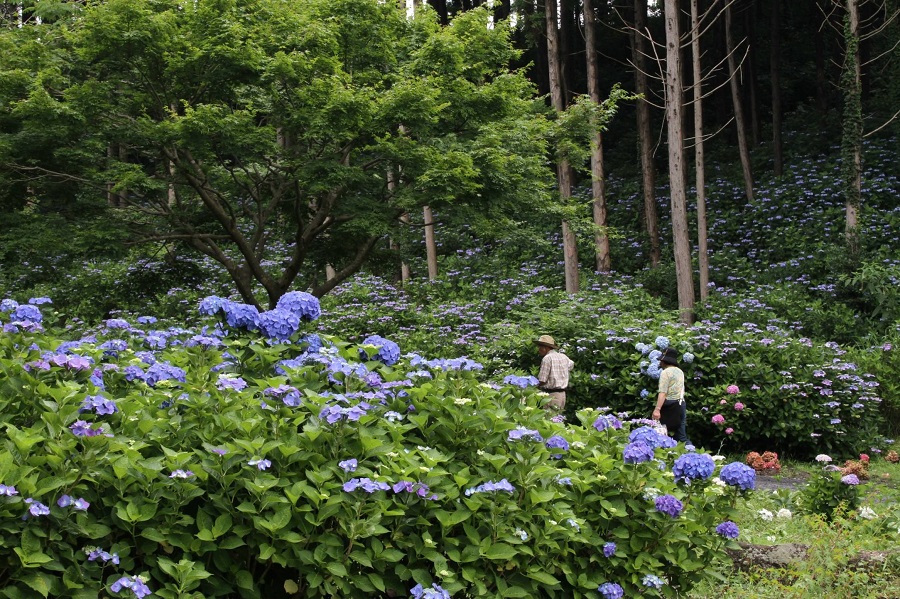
x,y
739,475
234,383
557,442
728,529
637,453
99,404
348,465
289,395
609,549
181,474
520,433
651,581
366,484
96,553
388,351
667,504
261,464
8,490
81,428
693,466
490,486
81,504
304,306
36,508
27,313
520,381
435,592
132,583
611,590
8,305
605,421
850,479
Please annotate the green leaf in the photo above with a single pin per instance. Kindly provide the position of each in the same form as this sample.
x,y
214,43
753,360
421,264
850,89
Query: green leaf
x,y
500,551
543,577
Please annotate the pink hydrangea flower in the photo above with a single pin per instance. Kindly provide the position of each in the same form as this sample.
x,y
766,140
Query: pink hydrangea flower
x,y
723,402
718,419
732,390
729,430
738,406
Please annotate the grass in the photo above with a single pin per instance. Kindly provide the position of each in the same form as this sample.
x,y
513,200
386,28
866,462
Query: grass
x,y
827,572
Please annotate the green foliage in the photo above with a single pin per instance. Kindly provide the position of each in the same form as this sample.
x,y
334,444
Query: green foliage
x,y
826,494
179,491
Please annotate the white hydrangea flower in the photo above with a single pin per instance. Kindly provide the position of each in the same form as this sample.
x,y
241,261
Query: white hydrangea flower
x,y
766,515
823,459
867,513
784,514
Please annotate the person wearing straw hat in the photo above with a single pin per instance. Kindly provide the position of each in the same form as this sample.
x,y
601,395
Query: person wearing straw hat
x,y
671,408
553,377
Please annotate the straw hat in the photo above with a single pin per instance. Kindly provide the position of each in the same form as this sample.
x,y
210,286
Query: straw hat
x,y
546,340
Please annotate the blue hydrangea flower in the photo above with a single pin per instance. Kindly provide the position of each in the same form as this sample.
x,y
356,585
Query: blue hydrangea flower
x,y
637,452
653,370
118,323
36,508
304,306
435,592
728,529
8,490
520,432
211,304
96,553
611,590
147,319
313,342
278,324
693,466
605,421
490,486
241,316
662,342
289,395
557,442
687,358
667,504
366,484
655,355
520,381
162,371
261,464
348,465
132,583
643,348
179,473
388,351
648,435
99,404
8,305
739,475
609,549
27,313
651,581
227,381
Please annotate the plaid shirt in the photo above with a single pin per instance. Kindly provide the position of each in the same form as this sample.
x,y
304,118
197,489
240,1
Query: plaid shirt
x,y
554,373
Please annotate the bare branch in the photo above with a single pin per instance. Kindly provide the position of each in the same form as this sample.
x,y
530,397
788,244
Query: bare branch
x,y
883,125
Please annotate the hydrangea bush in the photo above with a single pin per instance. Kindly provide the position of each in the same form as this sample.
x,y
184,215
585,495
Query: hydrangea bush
x,y
252,467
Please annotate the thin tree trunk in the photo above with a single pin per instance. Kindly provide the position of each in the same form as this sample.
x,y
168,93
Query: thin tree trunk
x,y
699,160
750,20
430,246
819,8
775,67
852,123
741,126
598,182
645,135
674,106
564,173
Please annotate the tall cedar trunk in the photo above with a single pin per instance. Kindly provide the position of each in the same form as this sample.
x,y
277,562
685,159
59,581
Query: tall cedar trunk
x,y
645,135
598,183
852,123
440,7
564,173
392,185
430,246
740,125
674,107
750,21
775,73
819,8
699,161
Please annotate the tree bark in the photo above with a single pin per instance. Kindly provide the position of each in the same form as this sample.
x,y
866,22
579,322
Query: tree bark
x,y
852,123
740,125
430,246
598,182
564,173
699,159
775,68
674,107
644,133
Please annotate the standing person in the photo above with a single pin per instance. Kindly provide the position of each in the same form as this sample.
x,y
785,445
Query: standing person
x,y
553,378
671,408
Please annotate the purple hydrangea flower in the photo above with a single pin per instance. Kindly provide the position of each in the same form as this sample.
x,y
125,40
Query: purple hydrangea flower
x,y
388,351
64,501
8,490
605,421
278,324
81,428
118,323
97,553
434,592
520,433
348,465
235,383
728,529
27,313
637,452
261,464
693,466
36,508
739,475
181,474
609,549
649,436
667,504
289,395
8,305
99,404
611,590
132,583
557,442
81,504
366,484
850,479
304,306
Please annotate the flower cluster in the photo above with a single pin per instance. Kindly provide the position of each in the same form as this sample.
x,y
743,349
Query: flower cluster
x,y
609,549
520,381
611,590
81,428
649,436
637,453
605,421
132,583
520,433
693,466
667,504
304,306
416,488
332,414
651,581
348,465
289,395
435,592
36,508
95,553
490,486
79,504
99,404
766,463
278,324
739,475
557,442
179,473
388,351
366,484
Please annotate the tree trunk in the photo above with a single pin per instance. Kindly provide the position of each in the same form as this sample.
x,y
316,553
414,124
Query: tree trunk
x,y
820,8
598,182
699,160
775,68
741,126
430,246
564,173
750,21
851,152
440,7
674,106
645,135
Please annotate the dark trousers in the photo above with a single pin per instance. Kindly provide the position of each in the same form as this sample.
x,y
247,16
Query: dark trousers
x,y
675,418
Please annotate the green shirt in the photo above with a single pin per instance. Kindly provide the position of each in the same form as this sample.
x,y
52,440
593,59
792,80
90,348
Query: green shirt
x,y
671,382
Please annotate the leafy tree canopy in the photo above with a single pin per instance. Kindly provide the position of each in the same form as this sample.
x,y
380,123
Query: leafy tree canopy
x,y
273,136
